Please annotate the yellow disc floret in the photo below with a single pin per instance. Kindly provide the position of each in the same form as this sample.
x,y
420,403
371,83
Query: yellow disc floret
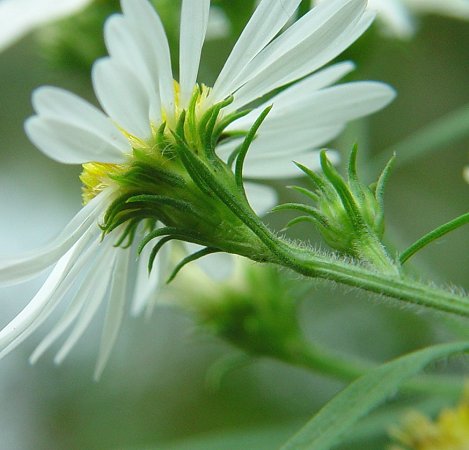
x,y
450,431
96,177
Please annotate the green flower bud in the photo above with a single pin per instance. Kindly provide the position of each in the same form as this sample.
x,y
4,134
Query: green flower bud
x,y
255,309
348,214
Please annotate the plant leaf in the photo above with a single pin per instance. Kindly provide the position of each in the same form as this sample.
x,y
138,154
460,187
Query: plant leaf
x,y
326,428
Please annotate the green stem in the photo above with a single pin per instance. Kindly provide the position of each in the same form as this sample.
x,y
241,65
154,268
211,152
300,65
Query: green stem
x,y
369,248
433,235
310,264
301,353
343,367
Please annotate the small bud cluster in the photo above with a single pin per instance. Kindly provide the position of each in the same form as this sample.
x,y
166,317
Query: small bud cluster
x,y
348,214
255,310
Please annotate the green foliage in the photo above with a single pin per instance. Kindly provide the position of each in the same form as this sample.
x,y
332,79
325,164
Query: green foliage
x,y
359,398
348,214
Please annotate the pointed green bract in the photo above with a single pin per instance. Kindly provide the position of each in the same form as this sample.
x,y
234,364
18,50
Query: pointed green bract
x,y
177,187
347,213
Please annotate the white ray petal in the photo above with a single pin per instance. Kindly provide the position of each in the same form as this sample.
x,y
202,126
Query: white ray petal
x,y
311,54
58,104
19,17
148,284
69,144
281,141
59,282
311,26
300,91
307,87
124,48
95,287
122,96
61,325
293,139
334,105
282,166
261,198
20,269
115,309
75,306
268,19
151,37
194,21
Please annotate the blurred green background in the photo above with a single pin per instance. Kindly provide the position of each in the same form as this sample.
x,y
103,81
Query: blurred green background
x,y
153,393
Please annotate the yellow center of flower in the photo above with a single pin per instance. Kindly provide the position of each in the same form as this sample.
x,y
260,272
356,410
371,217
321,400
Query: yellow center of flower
x,y
450,431
97,176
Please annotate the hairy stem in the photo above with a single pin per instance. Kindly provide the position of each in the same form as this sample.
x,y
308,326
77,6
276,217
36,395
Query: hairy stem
x,y
398,287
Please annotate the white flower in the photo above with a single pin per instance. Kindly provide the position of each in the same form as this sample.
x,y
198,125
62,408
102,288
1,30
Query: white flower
x,y
135,88
398,16
19,17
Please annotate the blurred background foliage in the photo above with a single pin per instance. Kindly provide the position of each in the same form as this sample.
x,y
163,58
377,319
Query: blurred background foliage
x,y
154,392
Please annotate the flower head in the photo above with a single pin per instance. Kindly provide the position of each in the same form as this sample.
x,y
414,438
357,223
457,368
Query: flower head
x,y
449,431
158,162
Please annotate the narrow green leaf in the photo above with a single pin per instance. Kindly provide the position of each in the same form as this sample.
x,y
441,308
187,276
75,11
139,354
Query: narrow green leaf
x,y
207,123
355,185
313,176
433,235
301,219
352,164
221,126
326,428
139,215
162,200
188,259
382,180
158,246
161,140
164,231
314,197
246,145
313,212
180,125
129,234
192,165
343,192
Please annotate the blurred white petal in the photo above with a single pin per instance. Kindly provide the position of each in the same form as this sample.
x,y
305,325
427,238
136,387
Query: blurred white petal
x,y
194,21
265,23
150,35
131,108
17,270
19,17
